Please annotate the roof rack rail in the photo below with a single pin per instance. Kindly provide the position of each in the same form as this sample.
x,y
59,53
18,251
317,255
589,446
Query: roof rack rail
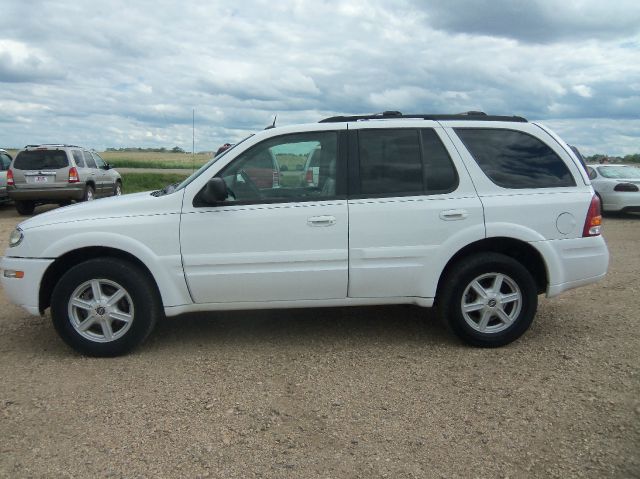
x,y
63,145
469,115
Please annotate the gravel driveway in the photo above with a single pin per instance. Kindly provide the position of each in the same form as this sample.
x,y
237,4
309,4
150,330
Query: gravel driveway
x,y
335,393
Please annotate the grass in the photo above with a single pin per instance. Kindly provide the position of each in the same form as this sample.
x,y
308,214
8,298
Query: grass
x,y
135,182
145,159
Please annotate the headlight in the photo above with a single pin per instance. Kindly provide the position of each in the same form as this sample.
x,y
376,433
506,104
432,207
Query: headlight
x,y
16,237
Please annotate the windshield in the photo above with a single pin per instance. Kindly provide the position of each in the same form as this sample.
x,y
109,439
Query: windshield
x,y
198,172
619,172
41,160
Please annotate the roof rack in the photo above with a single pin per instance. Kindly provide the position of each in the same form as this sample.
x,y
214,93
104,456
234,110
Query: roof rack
x,y
59,145
388,115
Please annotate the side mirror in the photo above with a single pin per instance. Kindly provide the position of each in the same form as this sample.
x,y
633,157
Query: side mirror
x,y
215,191
107,166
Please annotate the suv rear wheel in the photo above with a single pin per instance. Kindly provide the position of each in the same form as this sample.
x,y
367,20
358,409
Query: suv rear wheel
x,y
104,307
488,300
25,207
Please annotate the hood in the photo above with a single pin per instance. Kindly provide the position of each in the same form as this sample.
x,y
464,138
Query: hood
x,y
135,204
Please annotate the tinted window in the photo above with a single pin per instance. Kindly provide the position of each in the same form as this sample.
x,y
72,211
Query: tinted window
x,y
390,162
89,160
513,159
592,173
439,172
41,160
77,156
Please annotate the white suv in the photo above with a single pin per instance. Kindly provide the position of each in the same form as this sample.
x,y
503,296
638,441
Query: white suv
x,y
474,214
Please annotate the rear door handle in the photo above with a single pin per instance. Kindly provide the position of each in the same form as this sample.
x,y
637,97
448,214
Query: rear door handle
x,y
321,221
452,215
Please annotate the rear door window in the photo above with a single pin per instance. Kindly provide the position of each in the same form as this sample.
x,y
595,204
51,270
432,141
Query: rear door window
x,y
89,159
79,159
440,175
390,162
41,160
514,159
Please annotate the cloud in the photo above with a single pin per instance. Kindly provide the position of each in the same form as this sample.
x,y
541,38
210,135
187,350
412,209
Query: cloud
x,y
114,72
541,21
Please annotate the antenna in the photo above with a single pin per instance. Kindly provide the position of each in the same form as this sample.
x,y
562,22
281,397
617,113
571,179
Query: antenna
x,y
273,125
193,139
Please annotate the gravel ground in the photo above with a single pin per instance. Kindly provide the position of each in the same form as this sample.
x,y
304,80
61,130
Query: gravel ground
x,y
334,393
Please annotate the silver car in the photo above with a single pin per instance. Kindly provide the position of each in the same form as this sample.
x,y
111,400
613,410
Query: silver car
x,y
5,163
60,174
618,187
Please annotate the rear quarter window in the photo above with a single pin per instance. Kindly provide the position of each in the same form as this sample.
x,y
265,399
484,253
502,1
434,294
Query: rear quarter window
x,y
514,159
41,160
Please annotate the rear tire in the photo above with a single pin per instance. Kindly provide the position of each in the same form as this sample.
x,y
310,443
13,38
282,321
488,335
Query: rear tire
x,y
25,207
488,300
105,307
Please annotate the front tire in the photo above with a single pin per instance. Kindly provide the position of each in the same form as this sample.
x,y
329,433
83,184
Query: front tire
x,y
117,191
105,307
488,300
89,193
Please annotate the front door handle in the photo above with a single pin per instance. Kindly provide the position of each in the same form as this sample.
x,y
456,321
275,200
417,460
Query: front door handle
x,y
321,221
452,215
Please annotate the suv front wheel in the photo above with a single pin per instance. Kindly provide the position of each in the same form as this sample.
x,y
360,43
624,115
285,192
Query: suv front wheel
x,y
104,307
89,193
488,300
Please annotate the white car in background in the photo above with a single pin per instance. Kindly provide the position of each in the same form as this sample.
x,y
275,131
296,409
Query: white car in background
x,y
618,187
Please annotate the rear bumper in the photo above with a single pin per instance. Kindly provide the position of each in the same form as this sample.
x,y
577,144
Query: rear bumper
x,y
623,201
75,192
24,291
574,262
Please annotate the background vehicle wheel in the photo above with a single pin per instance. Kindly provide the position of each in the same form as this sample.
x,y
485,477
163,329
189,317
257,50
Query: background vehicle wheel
x,y
89,193
117,191
105,307
488,300
25,207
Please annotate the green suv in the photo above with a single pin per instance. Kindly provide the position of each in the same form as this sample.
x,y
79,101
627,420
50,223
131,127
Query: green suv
x,y
42,174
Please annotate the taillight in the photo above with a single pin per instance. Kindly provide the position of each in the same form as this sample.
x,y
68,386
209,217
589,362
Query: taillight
x,y
276,178
593,223
626,187
309,177
10,180
73,175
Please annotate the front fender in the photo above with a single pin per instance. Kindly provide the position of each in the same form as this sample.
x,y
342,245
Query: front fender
x,y
154,240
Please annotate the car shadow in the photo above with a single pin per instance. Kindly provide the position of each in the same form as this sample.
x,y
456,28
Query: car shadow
x,y
387,324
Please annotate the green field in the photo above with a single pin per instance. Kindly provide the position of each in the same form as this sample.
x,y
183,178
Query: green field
x,y
135,182
145,159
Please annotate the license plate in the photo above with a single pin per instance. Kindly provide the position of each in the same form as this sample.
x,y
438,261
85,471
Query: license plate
x,y
40,179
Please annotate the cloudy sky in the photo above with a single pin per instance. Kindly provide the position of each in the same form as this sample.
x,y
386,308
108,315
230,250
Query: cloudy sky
x,y
112,73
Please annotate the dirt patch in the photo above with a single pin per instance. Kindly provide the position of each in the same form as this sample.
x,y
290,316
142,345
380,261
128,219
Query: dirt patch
x,y
345,392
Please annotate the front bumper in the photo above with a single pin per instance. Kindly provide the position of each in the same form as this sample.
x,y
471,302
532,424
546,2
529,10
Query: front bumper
x,y
24,291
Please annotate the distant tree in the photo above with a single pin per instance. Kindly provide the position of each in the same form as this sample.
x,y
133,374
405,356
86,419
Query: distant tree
x,y
177,149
